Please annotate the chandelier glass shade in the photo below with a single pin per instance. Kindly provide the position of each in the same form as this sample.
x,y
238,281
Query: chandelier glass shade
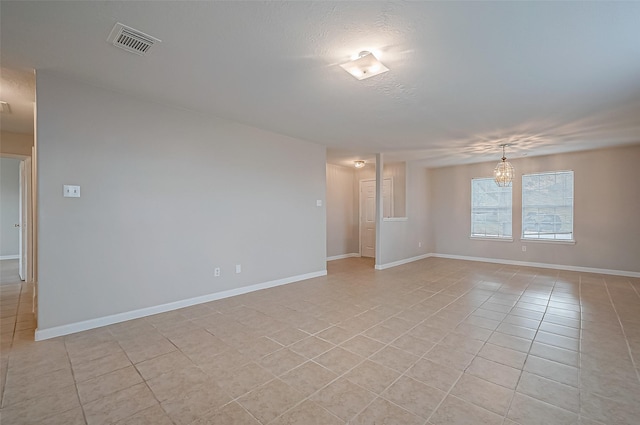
x,y
504,171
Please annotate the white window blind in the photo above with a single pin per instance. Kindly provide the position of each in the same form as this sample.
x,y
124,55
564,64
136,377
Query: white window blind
x,y
547,206
491,215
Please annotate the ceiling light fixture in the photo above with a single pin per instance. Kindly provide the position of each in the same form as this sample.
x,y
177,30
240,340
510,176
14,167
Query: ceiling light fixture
x,y
358,164
5,108
504,171
366,65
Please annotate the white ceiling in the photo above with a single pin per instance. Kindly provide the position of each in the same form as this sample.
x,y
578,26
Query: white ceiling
x,y
548,77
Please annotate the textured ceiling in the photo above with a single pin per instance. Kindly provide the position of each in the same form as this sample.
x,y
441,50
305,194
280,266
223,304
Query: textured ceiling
x,y
465,76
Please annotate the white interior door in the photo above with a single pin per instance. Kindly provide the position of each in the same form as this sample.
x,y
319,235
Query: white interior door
x,y
368,218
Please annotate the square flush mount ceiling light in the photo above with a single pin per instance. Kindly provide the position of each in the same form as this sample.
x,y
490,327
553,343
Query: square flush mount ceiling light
x,y
364,66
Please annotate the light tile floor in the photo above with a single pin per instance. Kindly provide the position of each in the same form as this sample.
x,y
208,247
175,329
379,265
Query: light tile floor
x,y
432,342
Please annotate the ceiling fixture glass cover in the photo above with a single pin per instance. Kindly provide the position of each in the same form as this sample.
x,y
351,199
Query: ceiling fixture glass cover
x,y
366,65
358,164
504,172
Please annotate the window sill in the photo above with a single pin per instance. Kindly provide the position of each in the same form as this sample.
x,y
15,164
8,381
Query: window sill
x,y
552,241
485,238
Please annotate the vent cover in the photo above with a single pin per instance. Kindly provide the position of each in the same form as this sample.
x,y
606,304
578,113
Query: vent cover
x,y
131,40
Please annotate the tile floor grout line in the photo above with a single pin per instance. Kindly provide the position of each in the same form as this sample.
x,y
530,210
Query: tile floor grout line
x,y
626,340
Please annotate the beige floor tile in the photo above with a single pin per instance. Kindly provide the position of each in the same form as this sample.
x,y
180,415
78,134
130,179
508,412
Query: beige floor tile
x,y
608,411
483,393
395,358
372,376
70,417
308,413
281,361
339,360
494,372
549,391
308,377
434,375
382,411
177,381
416,346
109,383
362,345
240,381
119,405
22,386
335,335
557,354
414,396
100,366
227,340
454,411
231,413
558,340
343,398
153,415
184,408
269,401
505,356
162,364
448,356
288,336
552,370
509,341
34,410
529,411
311,347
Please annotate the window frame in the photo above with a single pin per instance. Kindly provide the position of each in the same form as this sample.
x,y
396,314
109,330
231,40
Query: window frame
x,y
556,217
498,237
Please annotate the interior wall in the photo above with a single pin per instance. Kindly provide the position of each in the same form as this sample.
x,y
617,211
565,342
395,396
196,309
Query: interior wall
x,y
15,143
405,239
166,196
10,203
606,211
342,211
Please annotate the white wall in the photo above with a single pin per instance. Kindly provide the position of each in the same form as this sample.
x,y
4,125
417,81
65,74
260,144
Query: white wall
x,y
400,239
606,211
9,206
342,211
167,195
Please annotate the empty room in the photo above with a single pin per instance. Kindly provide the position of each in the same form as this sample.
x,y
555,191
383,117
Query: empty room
x,y
318,212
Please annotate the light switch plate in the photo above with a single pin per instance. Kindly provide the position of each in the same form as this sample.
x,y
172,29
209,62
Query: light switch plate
x,y
71,191
319,203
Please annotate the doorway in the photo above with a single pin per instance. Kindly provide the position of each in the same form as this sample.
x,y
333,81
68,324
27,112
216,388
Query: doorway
x,y
368,213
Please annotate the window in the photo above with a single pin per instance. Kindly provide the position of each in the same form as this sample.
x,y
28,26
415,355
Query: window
x,y
547,206
490,209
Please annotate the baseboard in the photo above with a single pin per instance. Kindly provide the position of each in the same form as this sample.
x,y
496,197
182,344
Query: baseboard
x,y
401,262
343,256
540,265
9,257
99,322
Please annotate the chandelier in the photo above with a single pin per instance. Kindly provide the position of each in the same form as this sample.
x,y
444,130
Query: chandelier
x,y
503,173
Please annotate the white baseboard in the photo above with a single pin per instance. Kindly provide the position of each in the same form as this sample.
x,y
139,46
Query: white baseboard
x,y
99,322
541,265
343,256
401,262
9,257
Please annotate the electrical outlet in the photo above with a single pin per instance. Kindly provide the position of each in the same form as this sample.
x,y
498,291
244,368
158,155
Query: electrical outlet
x,y
419,244
70,191
238,268
216,272
524,248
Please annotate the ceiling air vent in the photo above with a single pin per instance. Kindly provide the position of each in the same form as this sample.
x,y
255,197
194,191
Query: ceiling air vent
x,y
131,40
